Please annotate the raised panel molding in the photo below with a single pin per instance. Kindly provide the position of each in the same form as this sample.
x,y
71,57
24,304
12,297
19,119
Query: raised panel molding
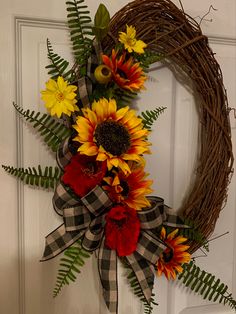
x,y
172,193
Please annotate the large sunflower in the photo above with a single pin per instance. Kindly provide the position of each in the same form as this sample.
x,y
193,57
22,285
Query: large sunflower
x,y
126,73
112,135
174,256
131,188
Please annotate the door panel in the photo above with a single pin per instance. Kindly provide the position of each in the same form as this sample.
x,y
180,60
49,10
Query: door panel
x,y
28,212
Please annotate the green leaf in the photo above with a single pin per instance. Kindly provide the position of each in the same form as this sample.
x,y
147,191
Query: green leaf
x,y
205,284
36,177
134,284
81,33
148,58
59,66
101,22
52,131
74,258
102,16
150,116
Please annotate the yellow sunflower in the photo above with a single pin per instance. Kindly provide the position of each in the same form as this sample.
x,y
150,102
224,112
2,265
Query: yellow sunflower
x,y
112,135
126,73
130,188
130,42
174,256
59,97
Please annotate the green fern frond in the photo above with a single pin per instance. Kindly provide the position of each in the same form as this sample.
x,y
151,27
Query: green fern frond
x,y
124,98
206,285
52,131
70,264
148,58
135,286
46,178
58,66
192,233
80,31
150,116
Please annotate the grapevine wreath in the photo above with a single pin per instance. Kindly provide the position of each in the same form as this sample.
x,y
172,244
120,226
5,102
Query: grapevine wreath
x,y
100,185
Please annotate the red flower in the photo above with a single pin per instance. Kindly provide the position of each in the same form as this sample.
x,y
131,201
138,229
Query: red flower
x,y
122,230
83,173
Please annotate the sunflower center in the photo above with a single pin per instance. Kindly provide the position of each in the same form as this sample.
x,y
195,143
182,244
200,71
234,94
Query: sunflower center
x,y
125,187
59,96
113,137
122,74
168,255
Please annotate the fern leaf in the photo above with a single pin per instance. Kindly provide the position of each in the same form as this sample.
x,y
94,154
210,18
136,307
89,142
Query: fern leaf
x,y
53,132
124,98
150,116
192,233
58,66
36,177
148,58
80,31
206,285
70,264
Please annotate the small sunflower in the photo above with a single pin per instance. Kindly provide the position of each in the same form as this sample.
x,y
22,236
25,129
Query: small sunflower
x,y
59,97
174,256
130,42
116,136
131,188
126,73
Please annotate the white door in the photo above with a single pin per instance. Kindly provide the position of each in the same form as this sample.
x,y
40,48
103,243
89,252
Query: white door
x,y
26,214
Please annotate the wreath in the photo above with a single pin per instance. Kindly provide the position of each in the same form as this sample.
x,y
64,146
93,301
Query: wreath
x,y
101,189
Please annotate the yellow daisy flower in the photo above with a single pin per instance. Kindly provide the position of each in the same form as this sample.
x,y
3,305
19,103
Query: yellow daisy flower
x,y
59,97
174,256
112,135
130,42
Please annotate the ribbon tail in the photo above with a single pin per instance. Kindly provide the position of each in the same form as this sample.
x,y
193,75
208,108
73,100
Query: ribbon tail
x,y
59,240
107,267
144,272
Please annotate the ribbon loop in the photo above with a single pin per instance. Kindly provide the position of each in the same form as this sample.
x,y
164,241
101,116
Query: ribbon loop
x,y
59,240
152,217
62,199
149,247
64,154
96,200
76,218
94,233
83,92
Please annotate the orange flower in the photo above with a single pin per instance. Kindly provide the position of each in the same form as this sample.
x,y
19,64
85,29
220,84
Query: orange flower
x,y
130,188
174,256
125,73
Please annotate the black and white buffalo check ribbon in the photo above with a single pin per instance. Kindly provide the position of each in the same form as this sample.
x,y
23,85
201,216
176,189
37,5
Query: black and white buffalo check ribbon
x,y
85,83
84,218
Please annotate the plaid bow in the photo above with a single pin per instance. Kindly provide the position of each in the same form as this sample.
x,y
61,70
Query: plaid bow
x,y
84,218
